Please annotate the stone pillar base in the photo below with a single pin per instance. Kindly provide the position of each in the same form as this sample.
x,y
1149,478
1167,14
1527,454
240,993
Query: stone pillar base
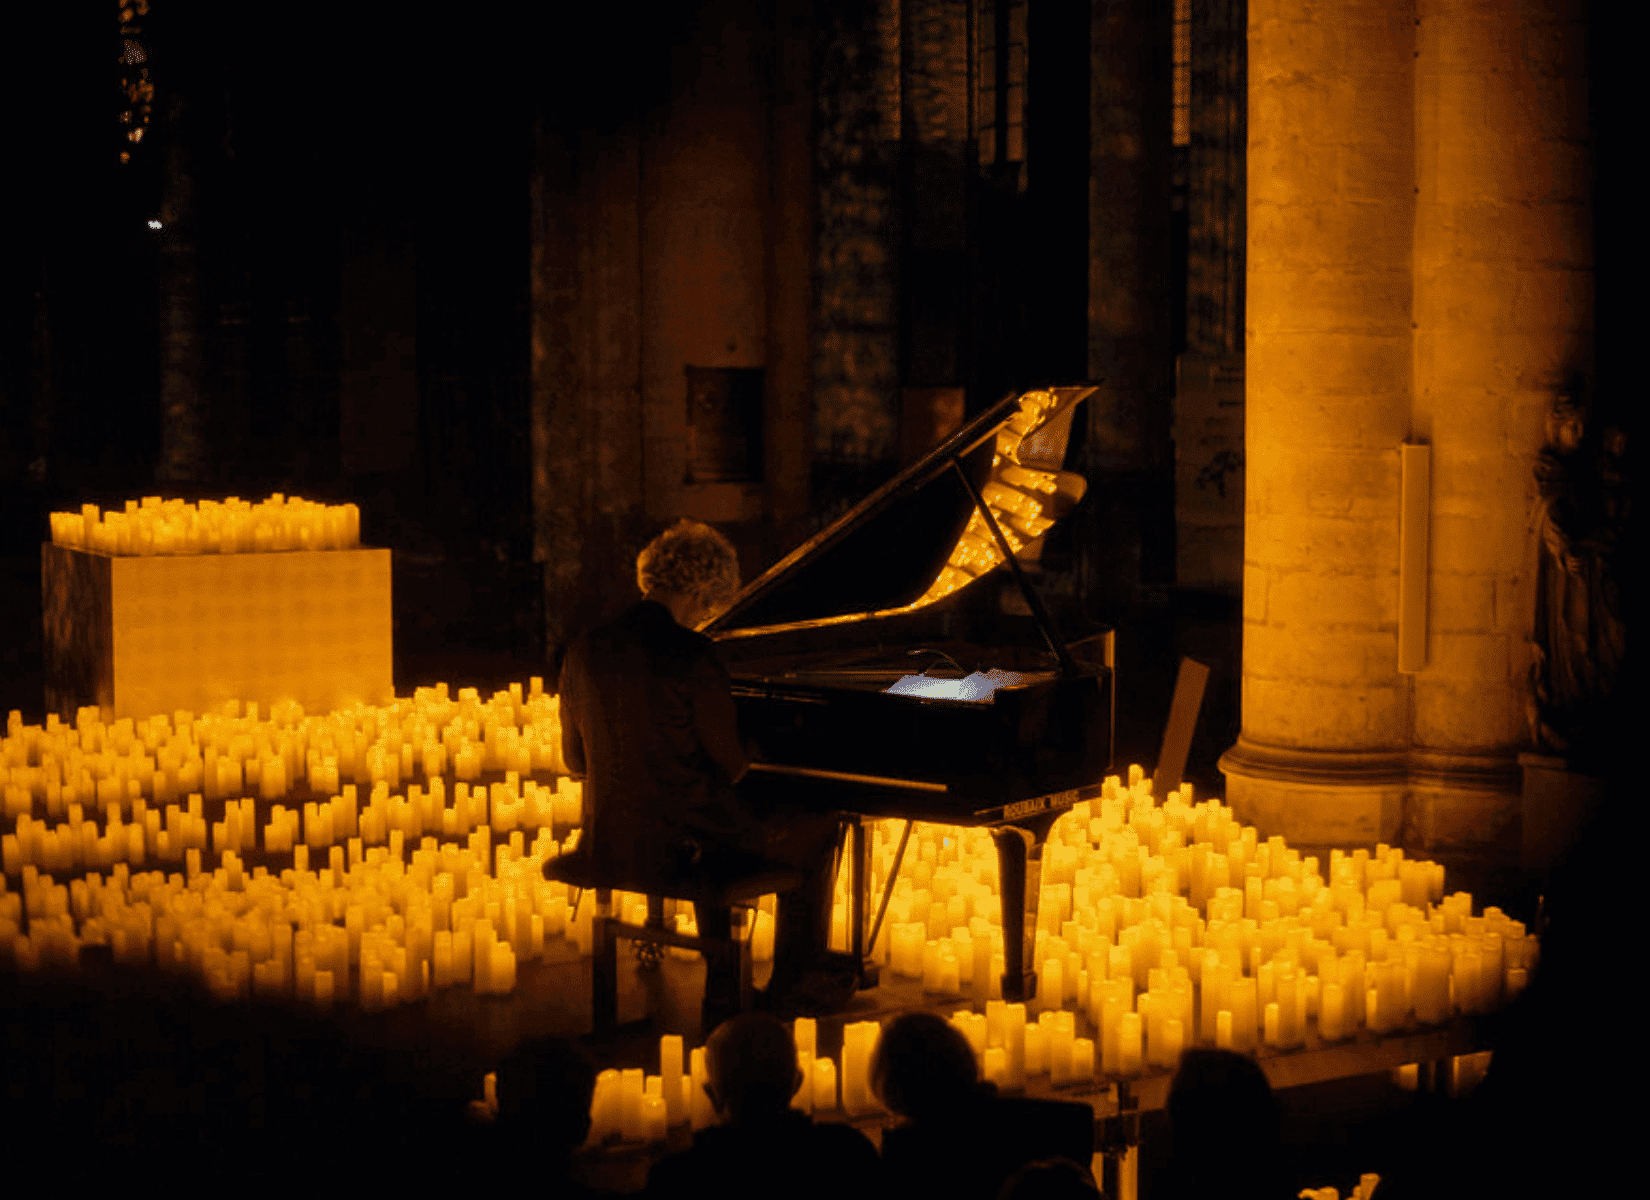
x,y
1428,799
1464,802
1316,797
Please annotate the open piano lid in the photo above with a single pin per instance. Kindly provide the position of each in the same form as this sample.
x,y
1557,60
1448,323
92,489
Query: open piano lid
x,y
919,538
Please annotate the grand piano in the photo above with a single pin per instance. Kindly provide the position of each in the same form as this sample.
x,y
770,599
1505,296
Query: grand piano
x,y
901,664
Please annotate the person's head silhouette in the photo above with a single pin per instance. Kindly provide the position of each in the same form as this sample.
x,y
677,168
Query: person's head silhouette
x,y
923,1066
751,1069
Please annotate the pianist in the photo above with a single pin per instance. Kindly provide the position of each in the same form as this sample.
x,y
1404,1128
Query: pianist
x,y
648,720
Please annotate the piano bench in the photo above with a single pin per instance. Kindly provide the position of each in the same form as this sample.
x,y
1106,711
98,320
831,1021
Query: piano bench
x,y
738,885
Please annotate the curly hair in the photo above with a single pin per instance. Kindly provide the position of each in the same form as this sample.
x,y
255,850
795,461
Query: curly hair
x,y
690,559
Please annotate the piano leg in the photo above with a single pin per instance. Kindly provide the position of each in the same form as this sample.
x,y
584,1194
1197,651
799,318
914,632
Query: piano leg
x,y
1019,874
858,894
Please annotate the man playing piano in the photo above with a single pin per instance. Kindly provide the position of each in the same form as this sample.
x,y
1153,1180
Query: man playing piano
x,y
648,721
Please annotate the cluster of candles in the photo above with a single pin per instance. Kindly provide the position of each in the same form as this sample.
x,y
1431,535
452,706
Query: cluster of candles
x,y
1161,925
153,526
1168,925
382,900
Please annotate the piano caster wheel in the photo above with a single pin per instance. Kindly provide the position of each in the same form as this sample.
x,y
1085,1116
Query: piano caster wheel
x,y
649,954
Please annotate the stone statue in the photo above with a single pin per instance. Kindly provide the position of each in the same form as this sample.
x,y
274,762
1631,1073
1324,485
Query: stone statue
x,y
1580,636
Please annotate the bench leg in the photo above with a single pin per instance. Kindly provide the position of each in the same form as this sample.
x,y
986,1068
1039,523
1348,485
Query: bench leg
x,y
604,977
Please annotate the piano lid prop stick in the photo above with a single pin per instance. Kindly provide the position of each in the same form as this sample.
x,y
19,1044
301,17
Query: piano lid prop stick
x,y
888,887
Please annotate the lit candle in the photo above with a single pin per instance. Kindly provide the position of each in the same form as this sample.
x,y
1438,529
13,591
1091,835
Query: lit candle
x,y
632,1088
1332,1013
670,1072
1244,1015
824,1085
995,1023
1060,1041
655,1116
1082,1059
1271,1024
1174,1042
1036,1043
1014,1028
1129,1044
996,1066
1114,1002
1223,1029
1051,988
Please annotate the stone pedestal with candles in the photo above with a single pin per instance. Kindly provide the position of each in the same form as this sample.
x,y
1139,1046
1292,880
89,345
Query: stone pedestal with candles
x,y
261,607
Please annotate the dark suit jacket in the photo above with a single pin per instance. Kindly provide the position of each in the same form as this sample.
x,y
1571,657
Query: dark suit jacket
x,y
648,721
793,1157
969,1155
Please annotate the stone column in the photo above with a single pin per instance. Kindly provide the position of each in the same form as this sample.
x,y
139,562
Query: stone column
x,y
1321,757
1504,321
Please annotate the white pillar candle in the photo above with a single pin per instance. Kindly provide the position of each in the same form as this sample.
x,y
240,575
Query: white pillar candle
x,y
670,1073
1174,1042
857,1044
1288,989
824,1085
1082,1059
1059,1053
604,1107
1051,988
1244,1015
632,1086
949,982
1271,1024
1014,1028
1036,1043
995,1022
1223,1029
1353,985
1129,1044
1113,1004
1332,1013
996,1066
655,1118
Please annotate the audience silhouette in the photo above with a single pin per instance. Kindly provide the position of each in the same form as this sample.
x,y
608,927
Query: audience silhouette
x,y
1225,1129
543,1090
764,1147
959,1138
1050,1179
